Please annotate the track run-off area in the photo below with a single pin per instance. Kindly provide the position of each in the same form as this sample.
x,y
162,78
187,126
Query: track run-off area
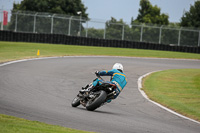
x,y
42,90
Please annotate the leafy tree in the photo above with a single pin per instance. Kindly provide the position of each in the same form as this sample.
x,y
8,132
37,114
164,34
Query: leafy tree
x,y
151,14
170,34
44,20
114,29
192,17
69,7
95,33
148,15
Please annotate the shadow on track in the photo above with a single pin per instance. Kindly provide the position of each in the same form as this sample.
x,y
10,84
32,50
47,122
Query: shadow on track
x,y
98,111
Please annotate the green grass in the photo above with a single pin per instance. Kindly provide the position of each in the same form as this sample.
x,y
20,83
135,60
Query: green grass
x,y
18,50
178,89
10,124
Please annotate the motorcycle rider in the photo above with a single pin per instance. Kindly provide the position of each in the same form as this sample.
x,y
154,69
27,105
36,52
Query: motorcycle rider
x,y
118,78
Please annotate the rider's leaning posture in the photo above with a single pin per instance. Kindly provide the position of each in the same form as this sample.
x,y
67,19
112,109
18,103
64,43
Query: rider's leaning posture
x,y
117,77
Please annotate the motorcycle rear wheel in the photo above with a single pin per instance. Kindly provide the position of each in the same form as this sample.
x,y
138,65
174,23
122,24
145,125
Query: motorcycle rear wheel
x,y
93,104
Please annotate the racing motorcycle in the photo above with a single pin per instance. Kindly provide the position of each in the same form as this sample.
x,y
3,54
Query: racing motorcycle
x,y
95,97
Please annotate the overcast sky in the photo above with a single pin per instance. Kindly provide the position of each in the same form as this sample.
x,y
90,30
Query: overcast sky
x,y
124,9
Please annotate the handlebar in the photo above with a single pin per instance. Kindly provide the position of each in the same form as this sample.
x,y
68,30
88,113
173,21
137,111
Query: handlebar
x,y
99,77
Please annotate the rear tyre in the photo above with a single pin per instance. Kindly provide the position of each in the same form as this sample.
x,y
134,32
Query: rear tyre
x,y
76,102
93,104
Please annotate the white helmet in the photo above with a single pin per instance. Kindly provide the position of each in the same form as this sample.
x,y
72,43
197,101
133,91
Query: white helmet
x,y
118,66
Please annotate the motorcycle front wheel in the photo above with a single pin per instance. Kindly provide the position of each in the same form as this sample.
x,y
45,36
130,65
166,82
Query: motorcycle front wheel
x,y
76,102
96,102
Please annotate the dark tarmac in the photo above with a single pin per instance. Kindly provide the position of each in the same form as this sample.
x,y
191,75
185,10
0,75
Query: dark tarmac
x,y
42,90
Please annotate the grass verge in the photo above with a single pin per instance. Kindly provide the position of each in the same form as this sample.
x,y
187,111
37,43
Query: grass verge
x,y
17,50
177,89
10,124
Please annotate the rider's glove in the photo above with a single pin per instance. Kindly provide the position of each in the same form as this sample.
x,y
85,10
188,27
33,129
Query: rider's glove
x,y
97,73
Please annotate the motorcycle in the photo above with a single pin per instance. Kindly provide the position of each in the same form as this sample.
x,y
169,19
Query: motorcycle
x,y
95,97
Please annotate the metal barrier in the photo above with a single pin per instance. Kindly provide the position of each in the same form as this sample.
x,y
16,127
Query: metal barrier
x,y
37,22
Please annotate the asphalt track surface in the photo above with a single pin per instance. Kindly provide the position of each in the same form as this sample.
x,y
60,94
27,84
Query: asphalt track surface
x,y
42,90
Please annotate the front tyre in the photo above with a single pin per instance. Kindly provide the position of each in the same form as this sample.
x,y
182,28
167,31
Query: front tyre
x,y
76,102
100,98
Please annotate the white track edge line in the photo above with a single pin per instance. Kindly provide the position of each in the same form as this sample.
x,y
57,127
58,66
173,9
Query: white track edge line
x,y
161,106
